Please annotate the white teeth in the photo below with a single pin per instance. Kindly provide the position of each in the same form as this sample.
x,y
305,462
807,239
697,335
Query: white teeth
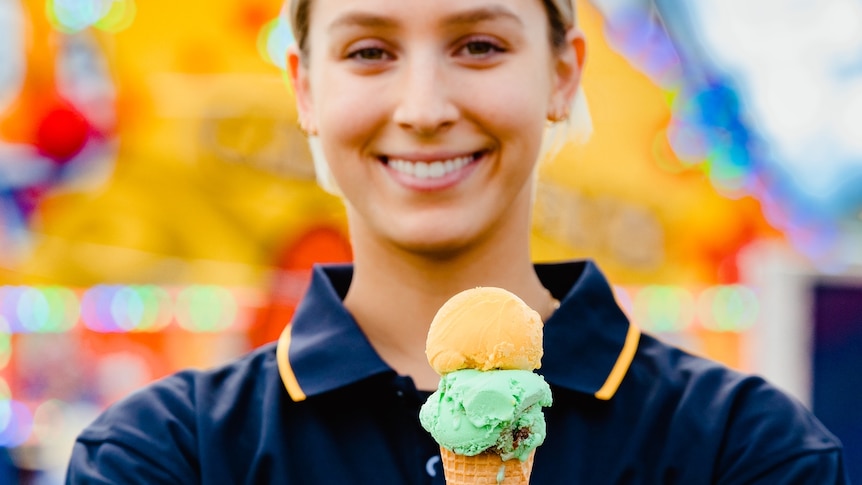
x,y
422,170
429,170
436,169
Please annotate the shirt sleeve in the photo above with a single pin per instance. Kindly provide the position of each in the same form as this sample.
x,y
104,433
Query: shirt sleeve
x,y
825,468
147,438
773,438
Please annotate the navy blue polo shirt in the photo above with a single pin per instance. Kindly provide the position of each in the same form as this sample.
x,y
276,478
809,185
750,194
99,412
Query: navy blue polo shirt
x,y
321,407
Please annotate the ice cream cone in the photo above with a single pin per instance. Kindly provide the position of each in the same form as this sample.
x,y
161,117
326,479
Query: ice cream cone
x,y
485,342
485,469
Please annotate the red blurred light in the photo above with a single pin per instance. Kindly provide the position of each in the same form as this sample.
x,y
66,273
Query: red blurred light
x,y
62,133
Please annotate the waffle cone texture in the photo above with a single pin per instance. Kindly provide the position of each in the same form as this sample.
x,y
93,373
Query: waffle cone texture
x,y
485,469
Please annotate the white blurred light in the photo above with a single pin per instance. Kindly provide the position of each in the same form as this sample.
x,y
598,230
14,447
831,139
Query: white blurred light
x,y
841,27
796,64
848,127
11,51
83,79
789,102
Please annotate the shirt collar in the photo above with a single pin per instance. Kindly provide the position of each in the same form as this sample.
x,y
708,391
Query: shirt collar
x,y
323,348
589,342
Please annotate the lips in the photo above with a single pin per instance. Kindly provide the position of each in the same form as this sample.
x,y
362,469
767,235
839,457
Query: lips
x,y
429,168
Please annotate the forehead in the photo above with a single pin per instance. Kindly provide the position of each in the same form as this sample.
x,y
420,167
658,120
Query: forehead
x,y
394,13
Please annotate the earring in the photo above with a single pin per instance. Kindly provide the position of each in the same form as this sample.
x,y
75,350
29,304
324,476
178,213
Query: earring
x,y
558,115
307,131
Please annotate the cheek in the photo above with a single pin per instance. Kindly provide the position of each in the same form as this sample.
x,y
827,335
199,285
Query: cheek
x,y
347,108
514,104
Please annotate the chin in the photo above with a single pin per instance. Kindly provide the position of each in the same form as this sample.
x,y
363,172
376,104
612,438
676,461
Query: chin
x,y
435,244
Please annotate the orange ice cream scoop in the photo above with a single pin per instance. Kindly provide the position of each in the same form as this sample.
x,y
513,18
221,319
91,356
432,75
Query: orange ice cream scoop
x,y
485,328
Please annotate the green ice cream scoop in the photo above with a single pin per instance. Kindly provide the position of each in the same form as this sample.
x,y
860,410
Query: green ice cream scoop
x,y
474,411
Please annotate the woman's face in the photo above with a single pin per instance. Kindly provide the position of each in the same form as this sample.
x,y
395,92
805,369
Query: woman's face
x,y
431,113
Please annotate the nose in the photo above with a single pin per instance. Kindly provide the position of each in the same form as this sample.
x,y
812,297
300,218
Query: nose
x,y
425,105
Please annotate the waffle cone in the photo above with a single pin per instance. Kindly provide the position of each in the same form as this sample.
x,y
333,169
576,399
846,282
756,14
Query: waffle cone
x,y
483,469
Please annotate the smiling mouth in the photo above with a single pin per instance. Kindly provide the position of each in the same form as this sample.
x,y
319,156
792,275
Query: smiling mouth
x,y
430,169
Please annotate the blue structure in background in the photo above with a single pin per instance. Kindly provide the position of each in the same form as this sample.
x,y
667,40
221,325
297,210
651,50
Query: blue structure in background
x,y
837,396
8,472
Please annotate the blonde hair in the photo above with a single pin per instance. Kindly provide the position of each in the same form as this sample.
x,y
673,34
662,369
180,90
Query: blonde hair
x,y
577,127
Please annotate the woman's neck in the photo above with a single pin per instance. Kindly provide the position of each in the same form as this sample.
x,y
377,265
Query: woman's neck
x,y
395,294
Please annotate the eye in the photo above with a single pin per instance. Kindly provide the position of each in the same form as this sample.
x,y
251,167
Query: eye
x,y
481,48
369,54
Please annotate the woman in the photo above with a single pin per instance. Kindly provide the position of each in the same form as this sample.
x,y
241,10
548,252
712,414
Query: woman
x,y
430,115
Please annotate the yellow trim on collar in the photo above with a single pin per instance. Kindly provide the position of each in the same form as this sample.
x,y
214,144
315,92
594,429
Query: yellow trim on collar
x,y
627,355
284,369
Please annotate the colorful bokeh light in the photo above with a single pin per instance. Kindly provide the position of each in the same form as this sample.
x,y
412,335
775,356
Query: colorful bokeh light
x,y
47,420
119,16
273,41
117,308
674,309
206,308
730,308
49,309
5,347
16,420
72,16
209,308
664,308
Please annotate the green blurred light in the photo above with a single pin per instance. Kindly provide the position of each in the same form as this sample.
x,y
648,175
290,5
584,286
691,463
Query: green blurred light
x,y
206,308
156,308
664,308
5,349
726,168
47,309
730,308
120,15
735,308
140,308
263,40
33,310
64,309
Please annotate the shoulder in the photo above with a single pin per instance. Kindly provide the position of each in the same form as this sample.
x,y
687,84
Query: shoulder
x,y
155,432
753,426
180,396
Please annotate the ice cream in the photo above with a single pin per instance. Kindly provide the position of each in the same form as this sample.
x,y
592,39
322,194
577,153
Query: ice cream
x,y
487,412
484,328
499,411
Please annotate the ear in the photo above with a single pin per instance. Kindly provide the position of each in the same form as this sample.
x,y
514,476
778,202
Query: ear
x,y
301,89
568,67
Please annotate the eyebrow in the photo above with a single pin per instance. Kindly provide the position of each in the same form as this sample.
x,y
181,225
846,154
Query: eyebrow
x,y
362,19
473,16
482,14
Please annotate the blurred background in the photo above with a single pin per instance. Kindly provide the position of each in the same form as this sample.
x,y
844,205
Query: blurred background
x,y
158,208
